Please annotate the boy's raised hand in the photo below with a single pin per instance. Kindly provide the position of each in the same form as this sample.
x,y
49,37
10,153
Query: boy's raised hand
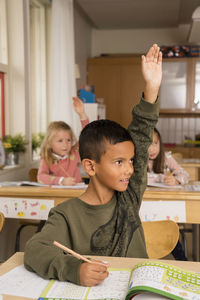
x,y
79,108
152,72
92,274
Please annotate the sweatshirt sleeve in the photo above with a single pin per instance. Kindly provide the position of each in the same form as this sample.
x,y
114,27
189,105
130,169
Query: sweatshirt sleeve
x,y
47,260
144,119
44,175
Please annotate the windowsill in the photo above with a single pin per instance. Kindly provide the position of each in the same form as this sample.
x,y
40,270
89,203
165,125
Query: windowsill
x,y
7,169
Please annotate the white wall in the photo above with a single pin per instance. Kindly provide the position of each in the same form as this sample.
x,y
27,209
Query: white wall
x,y
83,36
135,40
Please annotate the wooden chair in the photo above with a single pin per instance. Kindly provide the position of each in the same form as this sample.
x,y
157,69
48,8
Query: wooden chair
x,y
161,237
2,220
33,174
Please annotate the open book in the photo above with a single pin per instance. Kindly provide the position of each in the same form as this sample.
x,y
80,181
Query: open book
x,y
154,278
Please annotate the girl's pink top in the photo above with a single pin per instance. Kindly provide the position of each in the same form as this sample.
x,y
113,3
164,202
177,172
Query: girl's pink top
x,y
171,164
67,167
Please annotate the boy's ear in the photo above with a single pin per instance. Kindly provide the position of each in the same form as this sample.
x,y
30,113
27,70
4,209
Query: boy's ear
x,y
89,166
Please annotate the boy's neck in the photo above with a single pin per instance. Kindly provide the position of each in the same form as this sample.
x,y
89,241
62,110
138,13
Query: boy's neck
x,y
96,195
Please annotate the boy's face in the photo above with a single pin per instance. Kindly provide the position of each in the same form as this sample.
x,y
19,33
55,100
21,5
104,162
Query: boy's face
x,y
116,166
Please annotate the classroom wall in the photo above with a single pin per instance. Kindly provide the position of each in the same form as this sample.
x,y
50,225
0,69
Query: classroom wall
x,y
83,39
135,40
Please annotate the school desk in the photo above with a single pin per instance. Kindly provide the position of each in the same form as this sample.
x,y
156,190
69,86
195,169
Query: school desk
x,y
27,202
115,262
36,197
192,166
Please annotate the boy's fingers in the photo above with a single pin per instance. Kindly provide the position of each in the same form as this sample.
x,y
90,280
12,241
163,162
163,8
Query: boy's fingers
x,y
149,54
160,58
156,54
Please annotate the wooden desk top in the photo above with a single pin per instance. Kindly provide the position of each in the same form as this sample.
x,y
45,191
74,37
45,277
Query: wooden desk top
x,y
114,262
39,191
52,193
59,195
171,194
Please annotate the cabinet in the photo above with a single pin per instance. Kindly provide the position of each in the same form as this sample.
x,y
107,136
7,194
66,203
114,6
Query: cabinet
x,y
187,152
180,88
119,81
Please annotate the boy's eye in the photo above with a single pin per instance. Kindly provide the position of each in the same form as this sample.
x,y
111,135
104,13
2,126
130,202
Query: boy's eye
x,y
131,160
118,162
68,140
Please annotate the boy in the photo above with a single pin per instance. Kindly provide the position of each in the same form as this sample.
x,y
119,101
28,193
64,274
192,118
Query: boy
x,y
105,219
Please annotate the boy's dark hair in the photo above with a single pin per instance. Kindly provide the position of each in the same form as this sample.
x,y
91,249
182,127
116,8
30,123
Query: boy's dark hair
x,y
93,138
158,165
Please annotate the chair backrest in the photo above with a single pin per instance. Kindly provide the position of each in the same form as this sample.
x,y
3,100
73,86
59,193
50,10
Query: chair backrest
x,y
33,174
2,220
161,237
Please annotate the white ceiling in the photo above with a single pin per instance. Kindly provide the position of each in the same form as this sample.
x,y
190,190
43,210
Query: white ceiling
x,y
130,14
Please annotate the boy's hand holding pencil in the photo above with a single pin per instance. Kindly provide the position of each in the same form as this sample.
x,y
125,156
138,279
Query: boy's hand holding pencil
x,y
92,272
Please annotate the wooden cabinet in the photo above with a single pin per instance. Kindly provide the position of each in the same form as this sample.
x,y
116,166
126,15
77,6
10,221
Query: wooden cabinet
x,y
180,88
187,152
119,81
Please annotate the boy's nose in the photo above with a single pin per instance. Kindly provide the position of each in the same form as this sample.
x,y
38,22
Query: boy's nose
x,y
129,169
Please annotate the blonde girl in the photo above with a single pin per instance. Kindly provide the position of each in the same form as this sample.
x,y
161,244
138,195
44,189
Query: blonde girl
x,y
59,152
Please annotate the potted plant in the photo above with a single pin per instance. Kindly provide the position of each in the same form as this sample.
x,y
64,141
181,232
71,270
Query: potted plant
x,y
37,141
13,145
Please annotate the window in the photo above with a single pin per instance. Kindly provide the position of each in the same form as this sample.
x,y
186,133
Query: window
x,y
2,109
38,66
3,63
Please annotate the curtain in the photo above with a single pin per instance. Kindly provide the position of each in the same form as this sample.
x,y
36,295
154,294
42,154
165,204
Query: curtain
x,y
62,62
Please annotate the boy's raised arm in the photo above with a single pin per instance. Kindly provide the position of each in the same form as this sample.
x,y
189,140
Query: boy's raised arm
x,y
152,72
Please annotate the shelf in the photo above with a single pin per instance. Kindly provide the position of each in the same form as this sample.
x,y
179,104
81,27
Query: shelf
x,y
179,114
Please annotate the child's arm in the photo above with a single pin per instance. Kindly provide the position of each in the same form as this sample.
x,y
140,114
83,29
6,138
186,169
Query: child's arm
x,y
47,260
80,110
45,177
152,73
178,174
145,116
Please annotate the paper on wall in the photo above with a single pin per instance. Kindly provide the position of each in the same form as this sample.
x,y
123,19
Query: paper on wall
x,y
25,208
163,210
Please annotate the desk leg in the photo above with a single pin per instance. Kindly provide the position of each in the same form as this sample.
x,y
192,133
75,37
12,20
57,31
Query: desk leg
x,y
195,242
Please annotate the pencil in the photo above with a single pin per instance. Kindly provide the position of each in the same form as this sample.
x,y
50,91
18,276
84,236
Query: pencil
x,y
77,255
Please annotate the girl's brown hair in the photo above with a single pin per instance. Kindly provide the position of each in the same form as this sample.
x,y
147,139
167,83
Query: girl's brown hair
x,y
158,163
46,148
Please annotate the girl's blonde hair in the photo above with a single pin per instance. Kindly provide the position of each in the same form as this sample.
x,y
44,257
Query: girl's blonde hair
x,y
46,149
